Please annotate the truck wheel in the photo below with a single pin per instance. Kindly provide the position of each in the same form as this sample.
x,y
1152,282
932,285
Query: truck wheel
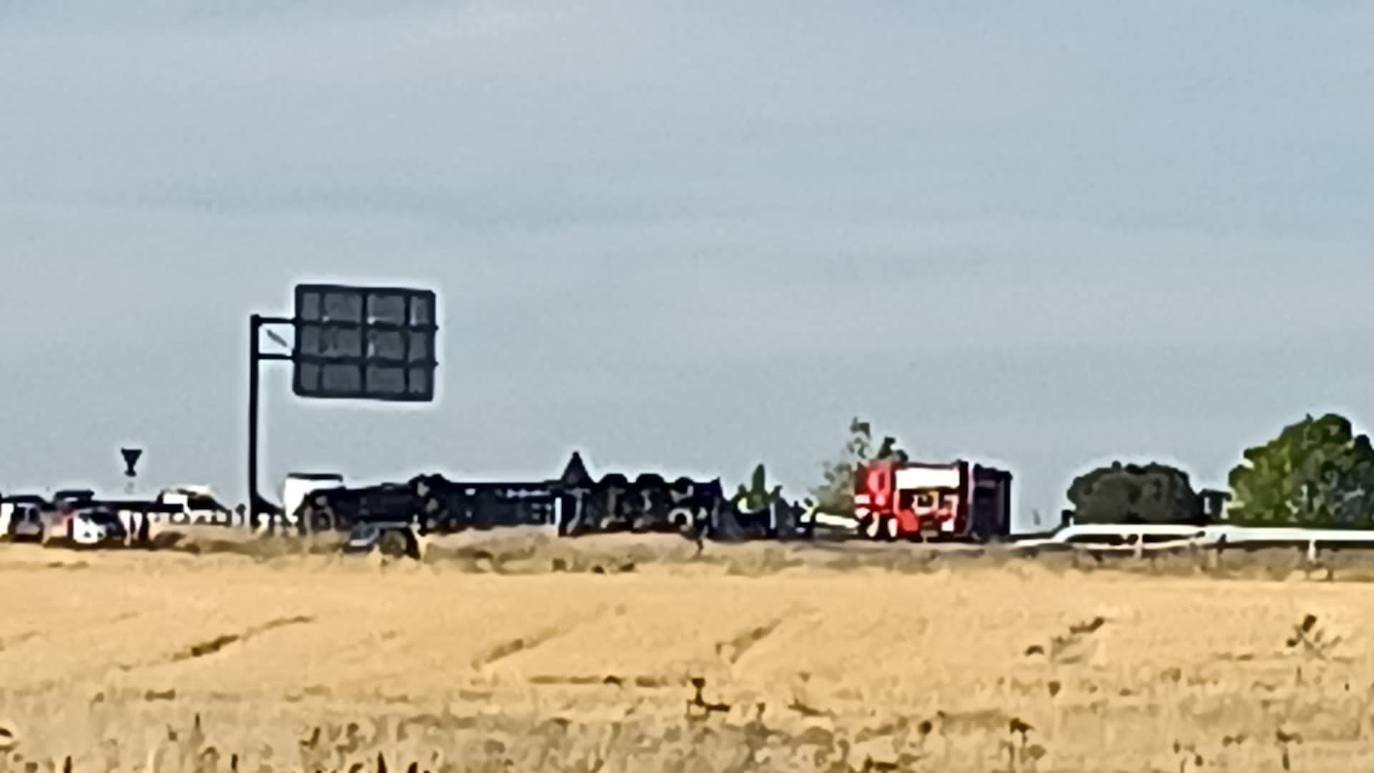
x,y
391,545
399,544
870,527
682,519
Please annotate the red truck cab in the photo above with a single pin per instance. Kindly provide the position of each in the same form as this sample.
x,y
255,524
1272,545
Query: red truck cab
x,y
959,501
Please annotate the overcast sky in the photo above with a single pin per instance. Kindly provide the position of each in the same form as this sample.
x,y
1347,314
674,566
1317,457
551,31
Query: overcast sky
x,y
689,235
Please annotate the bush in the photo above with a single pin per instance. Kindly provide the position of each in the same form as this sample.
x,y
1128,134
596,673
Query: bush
x,y
1133,493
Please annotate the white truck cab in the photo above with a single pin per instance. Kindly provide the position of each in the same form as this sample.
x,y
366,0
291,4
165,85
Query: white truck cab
x,y
299,485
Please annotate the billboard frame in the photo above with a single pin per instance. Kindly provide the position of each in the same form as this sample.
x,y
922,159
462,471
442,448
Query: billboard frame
x,y
406,365
256,324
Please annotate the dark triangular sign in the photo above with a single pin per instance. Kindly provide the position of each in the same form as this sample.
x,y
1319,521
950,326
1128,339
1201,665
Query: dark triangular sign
x,y
131,457
575,474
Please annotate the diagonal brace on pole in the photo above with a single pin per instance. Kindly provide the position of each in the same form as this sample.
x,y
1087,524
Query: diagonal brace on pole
x,y
256,322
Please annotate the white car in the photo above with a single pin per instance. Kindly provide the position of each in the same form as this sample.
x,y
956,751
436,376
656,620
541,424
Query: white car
x,y
198,506
95,527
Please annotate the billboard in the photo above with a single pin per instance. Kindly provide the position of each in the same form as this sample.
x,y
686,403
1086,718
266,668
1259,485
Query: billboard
x,y
364,343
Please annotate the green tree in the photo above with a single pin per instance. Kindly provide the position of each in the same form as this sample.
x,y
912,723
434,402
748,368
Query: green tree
x,y
1134,493
835,495
1317,472
757,496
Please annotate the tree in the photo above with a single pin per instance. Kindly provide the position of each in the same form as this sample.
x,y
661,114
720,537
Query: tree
x,y
1133,493
757,496
835,496
1317,472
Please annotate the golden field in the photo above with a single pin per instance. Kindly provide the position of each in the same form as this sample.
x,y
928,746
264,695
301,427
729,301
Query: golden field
x,y
485,658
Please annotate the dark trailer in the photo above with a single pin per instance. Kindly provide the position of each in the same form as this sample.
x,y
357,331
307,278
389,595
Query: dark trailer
x,y
432,503
452,506
340,509
649,503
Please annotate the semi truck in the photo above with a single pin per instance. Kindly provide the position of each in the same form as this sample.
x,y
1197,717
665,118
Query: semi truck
x,y
959,501
298,487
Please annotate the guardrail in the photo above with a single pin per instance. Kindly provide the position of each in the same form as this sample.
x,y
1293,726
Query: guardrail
x,y
1130,539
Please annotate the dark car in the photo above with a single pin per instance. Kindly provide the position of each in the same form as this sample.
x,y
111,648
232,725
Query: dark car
x,y
72,497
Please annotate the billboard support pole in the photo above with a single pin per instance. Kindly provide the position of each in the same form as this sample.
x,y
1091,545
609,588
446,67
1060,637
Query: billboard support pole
x,y
254,352
417,319
256,323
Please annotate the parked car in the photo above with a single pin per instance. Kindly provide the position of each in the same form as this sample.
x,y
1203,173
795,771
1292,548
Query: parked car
x,y
196,505
66,499
96,527
26,522
9,505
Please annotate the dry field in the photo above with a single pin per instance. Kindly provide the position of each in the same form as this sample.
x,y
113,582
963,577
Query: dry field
x,y
484,657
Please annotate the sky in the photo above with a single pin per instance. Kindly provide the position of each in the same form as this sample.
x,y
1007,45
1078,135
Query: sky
x,y
688,236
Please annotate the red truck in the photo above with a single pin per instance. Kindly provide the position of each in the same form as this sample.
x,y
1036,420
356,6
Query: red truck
x,y
960,501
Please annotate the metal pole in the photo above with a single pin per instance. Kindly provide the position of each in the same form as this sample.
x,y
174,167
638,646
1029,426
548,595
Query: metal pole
x,y
254,327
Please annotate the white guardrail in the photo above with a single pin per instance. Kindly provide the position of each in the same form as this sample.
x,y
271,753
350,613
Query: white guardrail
x,y
1145,538
1148,538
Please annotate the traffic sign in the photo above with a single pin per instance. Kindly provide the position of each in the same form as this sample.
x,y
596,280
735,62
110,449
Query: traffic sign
x,y
364,343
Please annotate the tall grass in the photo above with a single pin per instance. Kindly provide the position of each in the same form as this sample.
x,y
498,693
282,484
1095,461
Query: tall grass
x,y
513,652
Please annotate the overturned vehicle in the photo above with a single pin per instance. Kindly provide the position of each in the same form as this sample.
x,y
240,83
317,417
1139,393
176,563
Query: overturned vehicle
x,y
573,504
429,504
649,503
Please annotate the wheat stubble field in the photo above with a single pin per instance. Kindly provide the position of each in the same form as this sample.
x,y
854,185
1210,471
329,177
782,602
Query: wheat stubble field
x,y
218,662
